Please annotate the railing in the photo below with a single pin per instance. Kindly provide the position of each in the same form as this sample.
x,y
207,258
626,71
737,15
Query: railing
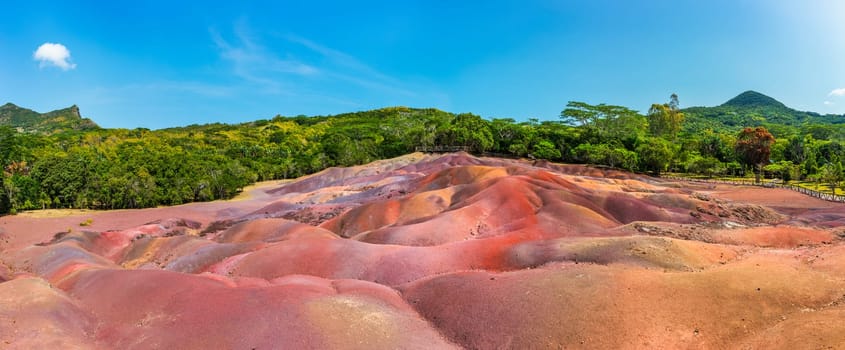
x,y
442,149
771,184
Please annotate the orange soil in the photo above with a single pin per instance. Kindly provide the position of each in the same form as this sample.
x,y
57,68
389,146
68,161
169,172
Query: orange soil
x,y
436,252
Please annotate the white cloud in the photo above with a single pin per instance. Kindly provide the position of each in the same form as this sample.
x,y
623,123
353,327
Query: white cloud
x,y
53,54
255,63
348,68
828,103
837,92
291,65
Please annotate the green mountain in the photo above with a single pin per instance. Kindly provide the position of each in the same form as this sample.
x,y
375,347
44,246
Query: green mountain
x,y
29,121
750,109
750,99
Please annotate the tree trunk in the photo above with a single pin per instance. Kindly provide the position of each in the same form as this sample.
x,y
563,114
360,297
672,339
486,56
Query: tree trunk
x,y
757,173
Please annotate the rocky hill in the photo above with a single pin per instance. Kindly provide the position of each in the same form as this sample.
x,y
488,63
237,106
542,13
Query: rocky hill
x,y
27,120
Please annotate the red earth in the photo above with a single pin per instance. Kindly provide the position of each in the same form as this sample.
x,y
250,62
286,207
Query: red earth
x,y
435,252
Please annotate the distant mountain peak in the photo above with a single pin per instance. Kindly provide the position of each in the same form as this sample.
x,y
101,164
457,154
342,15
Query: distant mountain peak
x,y
27,120
753,99
750,109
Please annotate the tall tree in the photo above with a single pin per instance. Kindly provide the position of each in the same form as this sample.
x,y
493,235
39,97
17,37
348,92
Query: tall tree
x,y
832,174
8,148
673,102
8,145
606,123
546,150
655,154
665,120
471,131
712,144
753,146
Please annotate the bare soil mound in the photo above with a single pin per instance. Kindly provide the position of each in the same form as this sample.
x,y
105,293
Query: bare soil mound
x,y
435,252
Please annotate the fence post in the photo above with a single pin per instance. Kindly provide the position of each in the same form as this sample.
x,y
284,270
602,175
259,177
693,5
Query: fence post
x,y
802,190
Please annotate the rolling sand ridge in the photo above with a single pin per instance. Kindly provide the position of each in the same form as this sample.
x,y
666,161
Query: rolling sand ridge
x,y
435,252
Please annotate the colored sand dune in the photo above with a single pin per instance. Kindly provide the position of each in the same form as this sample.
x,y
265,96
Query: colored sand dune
x,y
435,252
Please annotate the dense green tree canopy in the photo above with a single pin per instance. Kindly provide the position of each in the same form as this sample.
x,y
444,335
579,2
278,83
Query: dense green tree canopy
x,y
119,168
655,154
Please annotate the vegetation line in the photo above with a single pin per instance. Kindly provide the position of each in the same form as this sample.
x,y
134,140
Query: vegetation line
x,y
61,160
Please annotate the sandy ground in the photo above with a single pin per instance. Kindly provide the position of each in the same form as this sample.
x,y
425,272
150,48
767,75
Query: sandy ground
x,y
431,252
31,227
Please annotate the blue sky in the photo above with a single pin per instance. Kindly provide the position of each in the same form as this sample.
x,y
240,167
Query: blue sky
x,y
157,64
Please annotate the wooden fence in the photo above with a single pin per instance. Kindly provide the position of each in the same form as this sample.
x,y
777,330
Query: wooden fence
x,y
770,184
442,149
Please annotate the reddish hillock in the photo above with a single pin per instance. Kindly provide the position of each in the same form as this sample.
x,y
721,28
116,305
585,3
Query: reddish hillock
x,y
436,252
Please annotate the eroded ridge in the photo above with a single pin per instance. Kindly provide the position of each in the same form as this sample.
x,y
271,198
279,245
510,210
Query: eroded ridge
x,y
431,252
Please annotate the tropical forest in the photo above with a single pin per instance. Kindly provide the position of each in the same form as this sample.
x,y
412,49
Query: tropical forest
x,y
62,160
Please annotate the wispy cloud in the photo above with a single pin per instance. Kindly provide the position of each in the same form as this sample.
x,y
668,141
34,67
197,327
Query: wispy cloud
x,y
837,92
191,87
53,54
828,103
255,63
348,68
294,65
